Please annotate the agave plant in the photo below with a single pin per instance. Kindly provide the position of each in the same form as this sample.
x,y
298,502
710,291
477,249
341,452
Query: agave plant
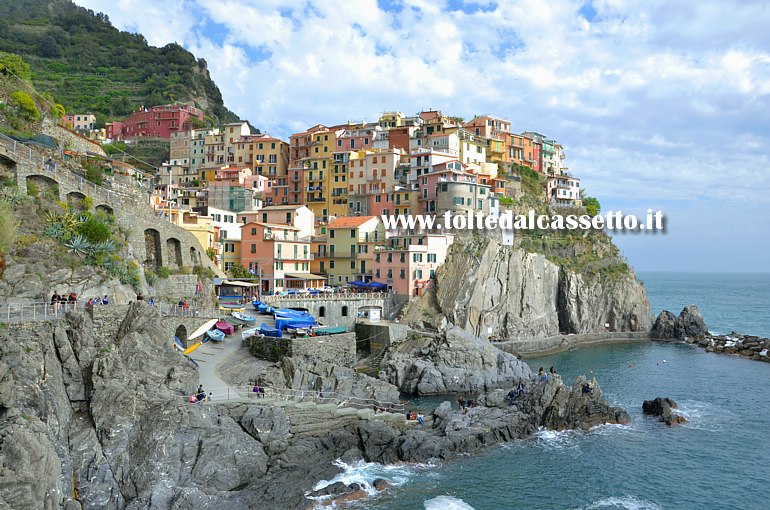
x,y
79,245
107,246
55,231
11,195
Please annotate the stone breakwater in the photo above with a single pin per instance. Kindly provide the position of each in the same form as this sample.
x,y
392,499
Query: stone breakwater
x,y
747,346
690,327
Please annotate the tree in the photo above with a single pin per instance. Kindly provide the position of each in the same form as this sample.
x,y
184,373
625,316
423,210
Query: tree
x,y
592,205
12,64
24,102
238,271
58,111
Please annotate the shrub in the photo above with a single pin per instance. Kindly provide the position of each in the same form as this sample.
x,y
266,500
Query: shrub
x,y
94,230
24,102
57,111
94,174
8,226
87,203
32,189
11,64
150,276
163,272
506,201
592,205
25,241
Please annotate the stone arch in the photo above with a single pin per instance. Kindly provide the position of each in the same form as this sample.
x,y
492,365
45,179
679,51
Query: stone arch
x,y
195,257
345,310
322,311
154,257
74,198
181,334
174,252
44,184
106,209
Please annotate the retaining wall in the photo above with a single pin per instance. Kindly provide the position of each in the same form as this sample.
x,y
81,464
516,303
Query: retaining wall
x,y
334,349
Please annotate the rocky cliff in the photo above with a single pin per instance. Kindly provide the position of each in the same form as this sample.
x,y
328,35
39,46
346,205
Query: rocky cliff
x,y
97,421
521,293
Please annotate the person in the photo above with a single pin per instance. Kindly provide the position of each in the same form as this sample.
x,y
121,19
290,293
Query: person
x,y
180,306
55,298
378,409
552,371
105,301
512,396
588,388
311,332
185,308
193,399
151,301
201,396
541,375
462,404
421,418
210,397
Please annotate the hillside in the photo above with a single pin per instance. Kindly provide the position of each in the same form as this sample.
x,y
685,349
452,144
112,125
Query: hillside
x,y
86,64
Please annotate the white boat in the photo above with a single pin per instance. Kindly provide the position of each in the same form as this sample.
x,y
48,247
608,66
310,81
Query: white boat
x,y
248,333
201,330
248,319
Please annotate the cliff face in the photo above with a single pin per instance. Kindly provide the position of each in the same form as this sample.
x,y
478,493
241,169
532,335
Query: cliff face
x,y
520,294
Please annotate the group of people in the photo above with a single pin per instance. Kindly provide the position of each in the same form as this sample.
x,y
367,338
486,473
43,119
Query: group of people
x,y
543,377
98,301
464,404
200,396
412,416
258,390
63,300
183,308
518,391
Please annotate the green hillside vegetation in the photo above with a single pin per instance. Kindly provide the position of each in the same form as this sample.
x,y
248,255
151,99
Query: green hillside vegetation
x,y
88,65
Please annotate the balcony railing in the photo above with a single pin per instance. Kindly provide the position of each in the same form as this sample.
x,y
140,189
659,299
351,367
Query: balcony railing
x,y
273,236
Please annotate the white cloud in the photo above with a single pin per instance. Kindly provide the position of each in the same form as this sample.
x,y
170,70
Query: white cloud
x,y
658,98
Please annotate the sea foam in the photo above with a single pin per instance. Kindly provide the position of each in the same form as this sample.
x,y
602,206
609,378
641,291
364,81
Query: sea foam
x,y
447,503
625,503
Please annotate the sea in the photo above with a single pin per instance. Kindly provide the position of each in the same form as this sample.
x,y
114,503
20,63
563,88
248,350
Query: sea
x,y
720,459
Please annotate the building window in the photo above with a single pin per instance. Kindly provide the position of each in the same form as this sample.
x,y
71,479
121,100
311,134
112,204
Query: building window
x,y
228,266
345,311
253,248
253,231
331,264
402,275
322,311
331,233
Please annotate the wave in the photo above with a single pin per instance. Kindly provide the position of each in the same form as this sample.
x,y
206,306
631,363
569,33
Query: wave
x,y
625,503
570,439
704,415
447,503
365,473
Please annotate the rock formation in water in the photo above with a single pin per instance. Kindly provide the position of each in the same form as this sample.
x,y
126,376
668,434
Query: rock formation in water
x,y
94,421
689,324
662,408
517,294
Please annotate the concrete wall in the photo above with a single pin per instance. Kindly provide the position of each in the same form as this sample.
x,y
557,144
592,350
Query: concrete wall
x,y
558,343
332,307
334,349
377,337
181,286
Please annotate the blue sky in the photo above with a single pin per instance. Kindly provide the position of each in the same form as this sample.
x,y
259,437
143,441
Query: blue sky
x,y
659,104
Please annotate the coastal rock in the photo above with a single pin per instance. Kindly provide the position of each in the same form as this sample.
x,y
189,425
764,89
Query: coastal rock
x,y
662,408
454,361
688,326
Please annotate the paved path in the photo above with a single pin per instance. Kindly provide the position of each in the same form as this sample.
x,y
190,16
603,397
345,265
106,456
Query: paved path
x,y
212,354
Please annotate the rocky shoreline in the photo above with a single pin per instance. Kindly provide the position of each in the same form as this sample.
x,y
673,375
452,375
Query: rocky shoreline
x,y
93,420
689,327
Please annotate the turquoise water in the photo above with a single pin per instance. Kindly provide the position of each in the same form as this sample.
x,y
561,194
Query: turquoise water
x,y
717,460
728,301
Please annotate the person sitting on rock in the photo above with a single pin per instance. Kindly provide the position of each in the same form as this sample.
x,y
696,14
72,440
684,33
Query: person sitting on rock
x,y
461,403
421,418
193,399
541,375
587,388
201,397
552,371
200,389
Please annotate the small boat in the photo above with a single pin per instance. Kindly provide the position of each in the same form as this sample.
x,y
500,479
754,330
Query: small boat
x,y
266,330
248,319
248,333
216,335
296,331
329,330
256,304
225,327
178,343
202,330
265,309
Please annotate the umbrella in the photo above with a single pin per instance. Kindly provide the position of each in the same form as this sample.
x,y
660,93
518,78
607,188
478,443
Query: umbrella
x,y
201,330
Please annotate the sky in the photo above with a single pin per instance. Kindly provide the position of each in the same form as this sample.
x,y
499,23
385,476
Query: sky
x,y
659,104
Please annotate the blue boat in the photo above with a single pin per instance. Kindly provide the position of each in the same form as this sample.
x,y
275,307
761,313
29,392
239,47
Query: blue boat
x,y
295,322
216,335
266,330
256,304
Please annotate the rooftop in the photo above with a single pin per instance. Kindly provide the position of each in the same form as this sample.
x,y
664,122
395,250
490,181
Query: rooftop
x,y
350,221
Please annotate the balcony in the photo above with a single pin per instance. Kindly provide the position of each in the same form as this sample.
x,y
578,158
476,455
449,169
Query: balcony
x,y
343,255
302,257
275,236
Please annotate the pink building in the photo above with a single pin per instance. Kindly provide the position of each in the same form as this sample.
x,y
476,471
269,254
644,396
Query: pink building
x,y
156,122
407,264
280,255
233,175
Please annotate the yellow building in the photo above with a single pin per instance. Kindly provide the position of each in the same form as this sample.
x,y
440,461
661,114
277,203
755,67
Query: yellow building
x,y
389,120
318,176
351,241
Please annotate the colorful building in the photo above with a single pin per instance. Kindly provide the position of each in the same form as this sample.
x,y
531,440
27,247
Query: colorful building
x,y
351,242
156,122
80,121
407,263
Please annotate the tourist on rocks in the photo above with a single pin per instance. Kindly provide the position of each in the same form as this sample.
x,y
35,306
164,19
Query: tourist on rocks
x,y
552,371
201,396
462,404
105,301
421,419
210,397
200,389
588,388
541,375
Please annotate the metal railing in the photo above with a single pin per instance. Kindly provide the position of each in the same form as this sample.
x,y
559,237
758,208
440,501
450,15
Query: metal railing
x,y
323,296
31,312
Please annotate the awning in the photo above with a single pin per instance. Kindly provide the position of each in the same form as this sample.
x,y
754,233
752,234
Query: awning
x,y
304,276
232,283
